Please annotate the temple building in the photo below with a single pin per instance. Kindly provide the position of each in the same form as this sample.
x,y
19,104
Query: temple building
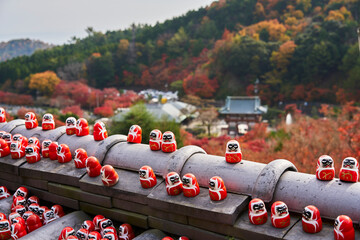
x,y
239,111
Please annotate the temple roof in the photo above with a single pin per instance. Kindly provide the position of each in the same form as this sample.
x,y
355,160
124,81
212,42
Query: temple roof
x,y
243,105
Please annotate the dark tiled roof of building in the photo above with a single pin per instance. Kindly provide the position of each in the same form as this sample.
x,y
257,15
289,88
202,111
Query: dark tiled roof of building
x,y
242,105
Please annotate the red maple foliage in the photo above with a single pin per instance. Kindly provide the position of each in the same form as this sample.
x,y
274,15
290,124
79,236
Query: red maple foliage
x,y
75,109
199,84
16,99
104,111
303,142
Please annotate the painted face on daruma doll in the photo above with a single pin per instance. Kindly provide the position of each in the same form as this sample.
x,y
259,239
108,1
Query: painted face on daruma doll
x,y
344,228
155,135
311,220
233,146
147,177
325,161
70,122
48,122
350,163
30,120
257,206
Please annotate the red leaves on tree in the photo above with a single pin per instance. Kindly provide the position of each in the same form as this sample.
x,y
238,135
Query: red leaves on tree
x,y
16,99
104,111
75,109
199,84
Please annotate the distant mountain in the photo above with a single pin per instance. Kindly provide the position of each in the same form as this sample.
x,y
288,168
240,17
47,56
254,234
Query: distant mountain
x,y
20,47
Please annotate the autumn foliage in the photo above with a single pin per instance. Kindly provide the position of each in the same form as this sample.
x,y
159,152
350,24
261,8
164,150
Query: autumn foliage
x,y
75,109
16,99
220,50
336,134
77,95
44,82
199,84
105,111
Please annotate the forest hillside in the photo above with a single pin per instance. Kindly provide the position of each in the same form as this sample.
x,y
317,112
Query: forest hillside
x,y
298,49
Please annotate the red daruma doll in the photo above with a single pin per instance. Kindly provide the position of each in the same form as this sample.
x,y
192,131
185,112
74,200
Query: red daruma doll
x,y
21,192
31,121
325,168
5,229
45,148
2,115
100,132
233,152
147,177
82,127
33,222
63,153
217,189
7,137
32,154
48,122
257,212
17,150
126,232
280,217
343,228
18,230
190,185
134,135
53,151
155,140
349,171
109,176
4,148
311,220
70,125
4,192
93,167
168,142
66,232
173,184
80,158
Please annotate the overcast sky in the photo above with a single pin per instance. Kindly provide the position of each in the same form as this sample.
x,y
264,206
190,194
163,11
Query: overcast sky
x,y
56,21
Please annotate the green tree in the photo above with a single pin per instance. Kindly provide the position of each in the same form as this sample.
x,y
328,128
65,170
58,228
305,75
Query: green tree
x,y
100,70
138,115
178,43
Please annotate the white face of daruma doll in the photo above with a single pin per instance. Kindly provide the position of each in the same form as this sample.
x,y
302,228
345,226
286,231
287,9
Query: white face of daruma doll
x,y
233,146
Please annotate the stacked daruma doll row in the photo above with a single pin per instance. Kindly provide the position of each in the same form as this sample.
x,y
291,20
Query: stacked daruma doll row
x,y
188,184
26,214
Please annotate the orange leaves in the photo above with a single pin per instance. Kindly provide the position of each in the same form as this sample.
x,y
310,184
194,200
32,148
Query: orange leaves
x,y
335,15
259,10
339,15
282,57
44,82
275,29
96,55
